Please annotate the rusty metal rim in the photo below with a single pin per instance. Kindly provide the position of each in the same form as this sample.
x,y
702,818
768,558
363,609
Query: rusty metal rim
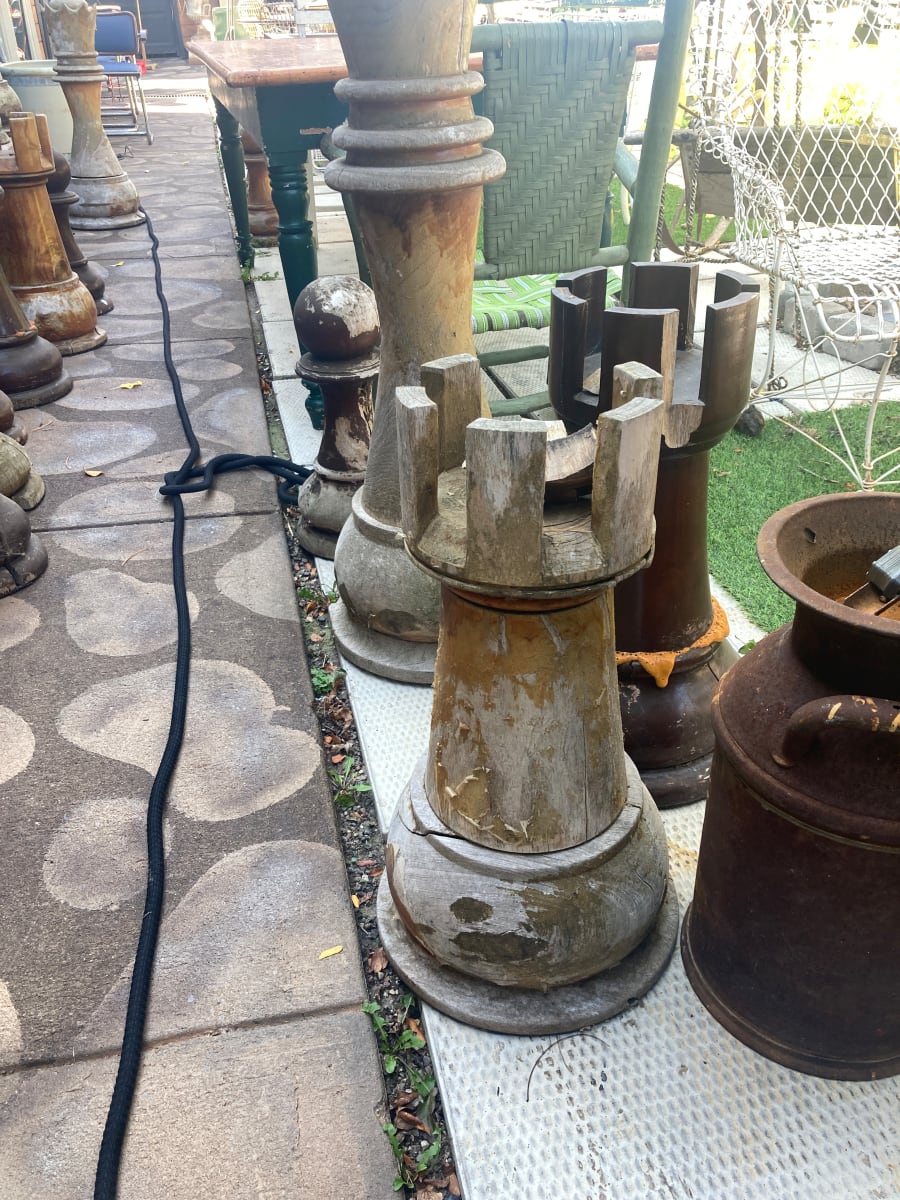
x,y
772,562
794,1057
853,828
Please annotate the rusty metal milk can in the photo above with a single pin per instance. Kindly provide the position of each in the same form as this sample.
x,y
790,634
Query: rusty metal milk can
x,y
792,938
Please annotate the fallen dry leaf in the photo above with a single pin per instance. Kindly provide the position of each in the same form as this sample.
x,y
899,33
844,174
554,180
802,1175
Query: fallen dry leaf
x,y
365,862
354,900
378,960
415,1026
428,1194
128,386
453,1185
404,1119
121,263
93,472
338,758
332,951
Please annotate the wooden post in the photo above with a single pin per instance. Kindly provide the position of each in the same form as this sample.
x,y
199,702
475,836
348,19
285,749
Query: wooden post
x,y
414,167
336,318
31,249
526,882
107,199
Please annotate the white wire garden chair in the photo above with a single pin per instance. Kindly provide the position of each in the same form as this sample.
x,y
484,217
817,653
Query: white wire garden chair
x,y
800,100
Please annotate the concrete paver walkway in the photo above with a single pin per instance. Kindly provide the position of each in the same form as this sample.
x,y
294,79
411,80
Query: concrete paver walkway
x,y
260,1076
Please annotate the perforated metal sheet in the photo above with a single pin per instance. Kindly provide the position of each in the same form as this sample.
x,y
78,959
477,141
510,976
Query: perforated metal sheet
x,y
659,1103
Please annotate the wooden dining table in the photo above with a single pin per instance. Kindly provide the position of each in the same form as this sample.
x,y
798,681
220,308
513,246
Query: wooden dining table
x,y
281,91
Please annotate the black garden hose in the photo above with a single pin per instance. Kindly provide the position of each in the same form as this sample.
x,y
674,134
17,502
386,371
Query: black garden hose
x,y
189,477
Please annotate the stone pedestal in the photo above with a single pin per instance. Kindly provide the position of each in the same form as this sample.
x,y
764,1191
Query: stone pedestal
x,y
31,250
335,316
526,885
414,167
107,199
62,199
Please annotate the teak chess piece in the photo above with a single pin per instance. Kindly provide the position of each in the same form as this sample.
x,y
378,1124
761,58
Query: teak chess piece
x,y
336,318
31,249
8,423
31,368
23,558
61,199
526,887
414,167
107,198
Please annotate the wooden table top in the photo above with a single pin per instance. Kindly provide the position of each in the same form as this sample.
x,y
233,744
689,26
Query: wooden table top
x,y
271,61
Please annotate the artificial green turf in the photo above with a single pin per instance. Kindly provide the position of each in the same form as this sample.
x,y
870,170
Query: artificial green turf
x,y
753,477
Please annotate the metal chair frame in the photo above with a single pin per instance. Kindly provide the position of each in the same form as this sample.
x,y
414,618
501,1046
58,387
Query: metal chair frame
x,y
118,44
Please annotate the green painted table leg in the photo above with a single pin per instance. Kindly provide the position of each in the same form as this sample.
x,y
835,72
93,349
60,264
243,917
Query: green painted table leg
x,y
290,195
233,163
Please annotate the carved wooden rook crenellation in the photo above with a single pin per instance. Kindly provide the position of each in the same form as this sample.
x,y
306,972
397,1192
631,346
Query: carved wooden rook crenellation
x,y
31,249
415,167
670,634
526,882
107,198
336,318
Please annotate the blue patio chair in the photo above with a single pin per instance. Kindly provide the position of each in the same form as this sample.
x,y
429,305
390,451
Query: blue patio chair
x,y
118,44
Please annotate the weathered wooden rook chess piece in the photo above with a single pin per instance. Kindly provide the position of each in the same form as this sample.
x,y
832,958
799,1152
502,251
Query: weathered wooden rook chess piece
x,y
61,199
31,368
336,317
107,198
415,169
670,633
262,212
526,882
31,249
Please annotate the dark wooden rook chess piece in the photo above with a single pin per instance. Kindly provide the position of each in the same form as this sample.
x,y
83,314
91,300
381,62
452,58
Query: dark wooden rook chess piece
x,y
526,881
670,633
335,316
61,199
31,249
22,555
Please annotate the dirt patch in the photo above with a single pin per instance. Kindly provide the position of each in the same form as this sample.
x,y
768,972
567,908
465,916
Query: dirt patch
x,y
415,1124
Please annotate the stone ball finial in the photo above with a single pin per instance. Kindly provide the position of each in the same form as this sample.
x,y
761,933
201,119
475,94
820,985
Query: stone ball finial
x,y
336,318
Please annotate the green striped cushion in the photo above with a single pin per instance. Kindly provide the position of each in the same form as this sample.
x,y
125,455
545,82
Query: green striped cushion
x,y
520,303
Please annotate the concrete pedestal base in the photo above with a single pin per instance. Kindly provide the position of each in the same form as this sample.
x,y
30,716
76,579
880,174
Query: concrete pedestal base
x,y
388,622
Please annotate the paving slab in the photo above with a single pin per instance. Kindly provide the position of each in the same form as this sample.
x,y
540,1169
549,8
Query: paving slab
x,y
260,1075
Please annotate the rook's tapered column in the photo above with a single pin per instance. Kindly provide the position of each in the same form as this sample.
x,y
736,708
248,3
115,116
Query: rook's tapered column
x,y
107,199
415,169
526,883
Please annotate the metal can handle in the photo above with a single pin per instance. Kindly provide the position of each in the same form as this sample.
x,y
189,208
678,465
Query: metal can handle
x,y
807,723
